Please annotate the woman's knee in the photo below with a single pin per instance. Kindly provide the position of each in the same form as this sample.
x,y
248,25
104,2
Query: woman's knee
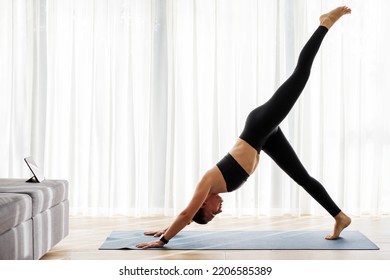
x,y
304,179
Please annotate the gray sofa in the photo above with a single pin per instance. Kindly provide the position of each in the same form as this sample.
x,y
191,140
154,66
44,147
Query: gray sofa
x,y
33,217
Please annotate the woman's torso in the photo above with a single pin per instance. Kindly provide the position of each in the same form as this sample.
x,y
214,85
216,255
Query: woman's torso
x,y
245,155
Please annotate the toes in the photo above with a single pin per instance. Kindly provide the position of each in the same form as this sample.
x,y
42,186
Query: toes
x,y
329,237
346,10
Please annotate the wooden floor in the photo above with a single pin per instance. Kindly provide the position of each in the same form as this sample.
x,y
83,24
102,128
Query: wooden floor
x,y
88,233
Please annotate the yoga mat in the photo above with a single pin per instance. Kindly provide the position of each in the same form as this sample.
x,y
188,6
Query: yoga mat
x,y
244,240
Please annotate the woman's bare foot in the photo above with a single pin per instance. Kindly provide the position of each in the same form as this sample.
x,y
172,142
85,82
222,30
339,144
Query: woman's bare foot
x,y
342,221
330,18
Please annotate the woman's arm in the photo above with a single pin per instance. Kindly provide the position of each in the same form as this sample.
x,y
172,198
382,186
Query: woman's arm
x,y
185,217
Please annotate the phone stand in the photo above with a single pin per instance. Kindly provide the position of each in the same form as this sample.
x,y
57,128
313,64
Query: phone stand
x,y
33,179
38,175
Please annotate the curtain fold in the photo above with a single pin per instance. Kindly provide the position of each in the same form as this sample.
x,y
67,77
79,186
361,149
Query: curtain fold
x,y
133,100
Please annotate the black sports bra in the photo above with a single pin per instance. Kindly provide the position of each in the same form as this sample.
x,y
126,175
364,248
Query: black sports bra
x,y
232,172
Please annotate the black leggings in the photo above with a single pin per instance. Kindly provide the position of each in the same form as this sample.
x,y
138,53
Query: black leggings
x,y
262,129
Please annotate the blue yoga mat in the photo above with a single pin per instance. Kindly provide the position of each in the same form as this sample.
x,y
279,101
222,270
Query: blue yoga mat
x,y
244,240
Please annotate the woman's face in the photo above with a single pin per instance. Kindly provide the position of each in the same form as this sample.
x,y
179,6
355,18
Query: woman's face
x,y
212,206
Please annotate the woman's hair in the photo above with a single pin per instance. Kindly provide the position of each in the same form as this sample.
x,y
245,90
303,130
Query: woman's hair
x,y
199,217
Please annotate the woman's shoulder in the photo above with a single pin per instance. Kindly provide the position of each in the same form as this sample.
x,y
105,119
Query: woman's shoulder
x,y
213,177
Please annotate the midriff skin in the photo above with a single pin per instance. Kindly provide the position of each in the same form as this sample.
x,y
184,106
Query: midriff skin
x,y
245,155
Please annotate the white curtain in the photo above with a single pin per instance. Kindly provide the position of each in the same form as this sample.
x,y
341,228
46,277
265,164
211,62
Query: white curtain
x,y
132,101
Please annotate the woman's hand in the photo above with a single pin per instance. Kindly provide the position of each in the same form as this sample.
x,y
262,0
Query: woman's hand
x,y
152,244
156,233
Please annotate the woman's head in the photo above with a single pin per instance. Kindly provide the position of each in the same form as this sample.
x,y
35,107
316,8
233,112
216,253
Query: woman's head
x,y
211,207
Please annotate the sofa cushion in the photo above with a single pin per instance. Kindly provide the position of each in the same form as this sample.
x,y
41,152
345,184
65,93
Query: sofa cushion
x,y
17,244
44,195
14,210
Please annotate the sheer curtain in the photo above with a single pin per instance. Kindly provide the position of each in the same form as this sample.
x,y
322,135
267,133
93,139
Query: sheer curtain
x,y
132,101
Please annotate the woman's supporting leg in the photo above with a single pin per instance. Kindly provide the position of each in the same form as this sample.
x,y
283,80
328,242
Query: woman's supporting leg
x,y
280,150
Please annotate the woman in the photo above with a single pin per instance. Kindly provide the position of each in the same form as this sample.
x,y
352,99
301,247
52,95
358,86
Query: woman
x,y
261,132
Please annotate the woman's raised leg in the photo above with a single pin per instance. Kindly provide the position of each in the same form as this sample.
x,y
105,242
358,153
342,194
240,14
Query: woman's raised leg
x,y
279,105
